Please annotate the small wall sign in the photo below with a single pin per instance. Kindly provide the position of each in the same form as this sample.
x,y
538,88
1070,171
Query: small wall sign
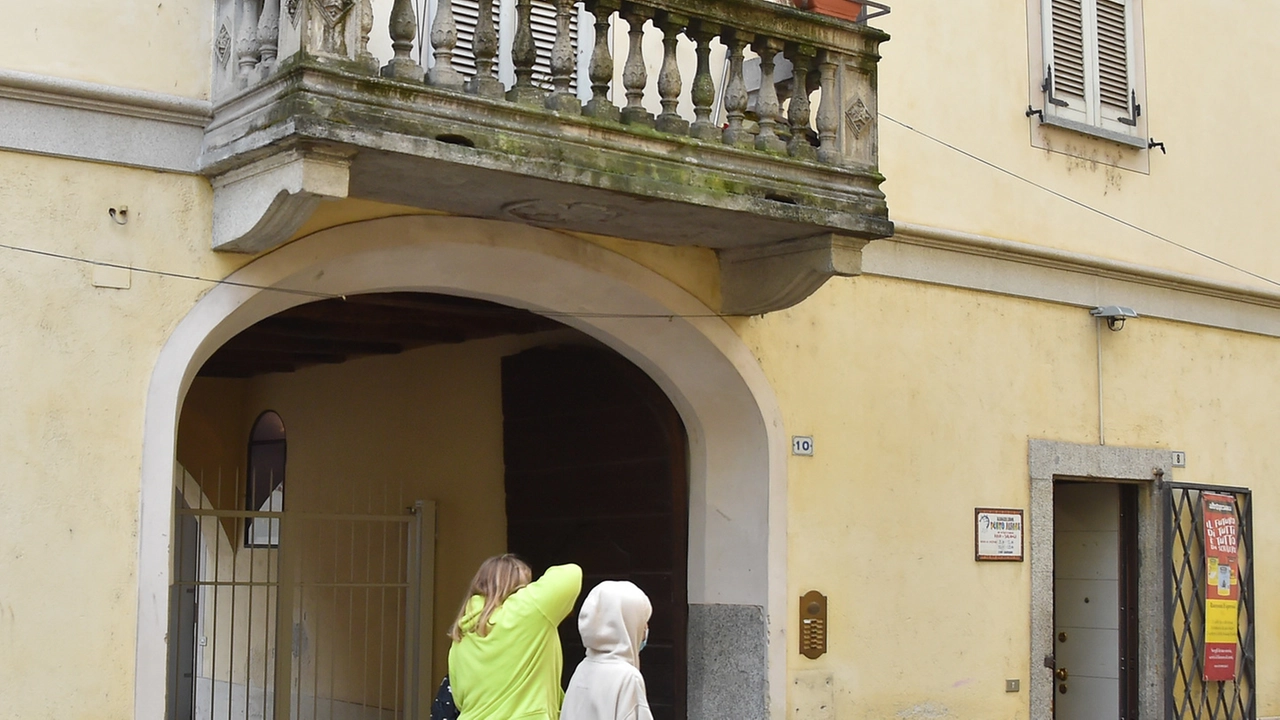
x,y
997,534
801,445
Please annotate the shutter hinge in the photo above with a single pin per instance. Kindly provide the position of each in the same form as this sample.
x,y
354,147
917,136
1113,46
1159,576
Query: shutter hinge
x,y
1135,110
1047,88
1152,144
1032,111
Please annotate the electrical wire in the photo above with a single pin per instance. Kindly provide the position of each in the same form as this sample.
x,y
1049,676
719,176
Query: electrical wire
x,y
1081,204
315,295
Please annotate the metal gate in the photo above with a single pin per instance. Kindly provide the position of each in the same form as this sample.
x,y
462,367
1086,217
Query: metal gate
x,y
327,605
1189,695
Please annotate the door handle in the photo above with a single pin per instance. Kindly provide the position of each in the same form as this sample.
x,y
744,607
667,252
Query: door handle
x,y
1062,674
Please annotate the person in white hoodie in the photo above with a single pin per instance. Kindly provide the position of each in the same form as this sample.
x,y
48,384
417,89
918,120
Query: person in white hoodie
x,y
607,685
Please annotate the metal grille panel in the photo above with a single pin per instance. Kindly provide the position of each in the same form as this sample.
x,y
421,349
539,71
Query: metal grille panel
x,y
1190,696
332,613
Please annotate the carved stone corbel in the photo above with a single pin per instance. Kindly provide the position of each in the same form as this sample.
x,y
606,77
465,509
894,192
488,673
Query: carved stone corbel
x,y
261,205
757,280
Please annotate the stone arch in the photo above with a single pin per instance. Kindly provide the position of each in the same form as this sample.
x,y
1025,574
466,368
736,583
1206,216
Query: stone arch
x,y
737,523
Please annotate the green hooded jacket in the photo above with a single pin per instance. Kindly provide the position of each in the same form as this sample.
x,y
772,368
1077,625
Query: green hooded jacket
x,y
513,672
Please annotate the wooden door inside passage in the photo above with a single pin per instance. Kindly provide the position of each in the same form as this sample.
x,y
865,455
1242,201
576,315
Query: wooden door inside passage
x,y
596,473
1095,592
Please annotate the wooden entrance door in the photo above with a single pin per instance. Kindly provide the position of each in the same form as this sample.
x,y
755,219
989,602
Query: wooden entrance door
x,y
596,474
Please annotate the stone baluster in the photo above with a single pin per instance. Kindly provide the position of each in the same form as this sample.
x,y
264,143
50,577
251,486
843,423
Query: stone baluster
x,y
404,30
802,58
268,37
669,83
247,55
363,56
444,38
828,119
563,97
601,71
703,92
767,107
524,54
634,75
484,45
735,92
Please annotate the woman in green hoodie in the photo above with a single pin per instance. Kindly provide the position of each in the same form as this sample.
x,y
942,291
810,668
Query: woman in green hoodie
x,y
506,661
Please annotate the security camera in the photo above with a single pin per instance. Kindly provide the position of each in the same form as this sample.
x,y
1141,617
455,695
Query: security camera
x,y
1115,315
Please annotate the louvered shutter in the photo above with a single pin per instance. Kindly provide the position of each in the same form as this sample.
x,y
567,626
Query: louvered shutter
x,y
1089,62
1115,65
466,14
1067,61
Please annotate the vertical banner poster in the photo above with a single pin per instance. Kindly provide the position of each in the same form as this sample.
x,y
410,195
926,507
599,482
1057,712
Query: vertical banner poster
x,y
1222,587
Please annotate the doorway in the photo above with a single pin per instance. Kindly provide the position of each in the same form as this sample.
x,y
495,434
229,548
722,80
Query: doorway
x,y
533,437
1095,591
596,473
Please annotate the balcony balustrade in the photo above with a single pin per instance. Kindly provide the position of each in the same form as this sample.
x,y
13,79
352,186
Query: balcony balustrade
x,y
745,126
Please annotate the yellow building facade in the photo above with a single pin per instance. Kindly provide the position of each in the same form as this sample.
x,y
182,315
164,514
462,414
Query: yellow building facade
x,y
941,365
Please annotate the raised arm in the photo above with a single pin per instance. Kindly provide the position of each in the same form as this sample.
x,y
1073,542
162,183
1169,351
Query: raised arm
x,y
556,591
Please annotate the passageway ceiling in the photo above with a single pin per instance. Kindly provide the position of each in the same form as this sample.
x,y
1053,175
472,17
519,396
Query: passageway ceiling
x,y
340,329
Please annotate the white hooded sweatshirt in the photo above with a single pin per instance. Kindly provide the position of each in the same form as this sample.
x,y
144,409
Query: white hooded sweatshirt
x,y
607,685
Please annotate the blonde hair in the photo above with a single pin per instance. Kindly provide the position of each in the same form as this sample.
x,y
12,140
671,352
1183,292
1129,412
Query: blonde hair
x,y
498,578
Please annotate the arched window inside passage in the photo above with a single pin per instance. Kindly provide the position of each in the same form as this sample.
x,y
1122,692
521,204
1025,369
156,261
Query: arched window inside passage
x,y
264,481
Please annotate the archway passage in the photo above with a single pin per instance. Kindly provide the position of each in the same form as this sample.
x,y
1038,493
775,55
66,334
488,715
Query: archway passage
x,y
737,646
405,400
596,460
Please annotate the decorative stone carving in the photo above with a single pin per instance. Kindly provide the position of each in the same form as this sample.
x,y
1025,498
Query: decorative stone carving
x,y
735,92
259,206
247,55
634,75
601,69
768,108
444,38
669,81
333,11
703,92
484,46
268,36
858,117
543,212
291,7
761,279
524,55
828,120
404,30
563,99
798,112
223,45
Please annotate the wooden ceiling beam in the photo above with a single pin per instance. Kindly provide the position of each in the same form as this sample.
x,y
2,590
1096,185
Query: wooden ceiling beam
x,y
405,333
261,339
336,330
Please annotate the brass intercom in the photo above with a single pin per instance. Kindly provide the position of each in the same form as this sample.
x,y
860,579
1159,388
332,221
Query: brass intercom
x,y
813,624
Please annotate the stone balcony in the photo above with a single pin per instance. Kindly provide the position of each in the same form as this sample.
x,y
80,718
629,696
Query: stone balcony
x,y
744,126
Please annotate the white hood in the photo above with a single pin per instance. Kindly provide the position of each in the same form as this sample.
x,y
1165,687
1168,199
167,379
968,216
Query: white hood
x,y
613,621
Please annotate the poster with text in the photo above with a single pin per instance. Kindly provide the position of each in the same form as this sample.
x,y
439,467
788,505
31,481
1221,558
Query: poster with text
x,y
1222,587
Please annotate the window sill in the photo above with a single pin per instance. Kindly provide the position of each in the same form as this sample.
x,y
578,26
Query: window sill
x,y
1094,131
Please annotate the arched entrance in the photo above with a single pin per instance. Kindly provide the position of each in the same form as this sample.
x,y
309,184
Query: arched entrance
x,y
736,555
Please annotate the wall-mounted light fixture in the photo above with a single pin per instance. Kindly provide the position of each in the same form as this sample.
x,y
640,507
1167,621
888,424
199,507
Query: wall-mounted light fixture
x,y
1115,315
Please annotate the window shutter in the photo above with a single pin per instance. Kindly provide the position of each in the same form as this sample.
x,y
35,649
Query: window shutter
x,y
466,13
1066,59
1115,70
